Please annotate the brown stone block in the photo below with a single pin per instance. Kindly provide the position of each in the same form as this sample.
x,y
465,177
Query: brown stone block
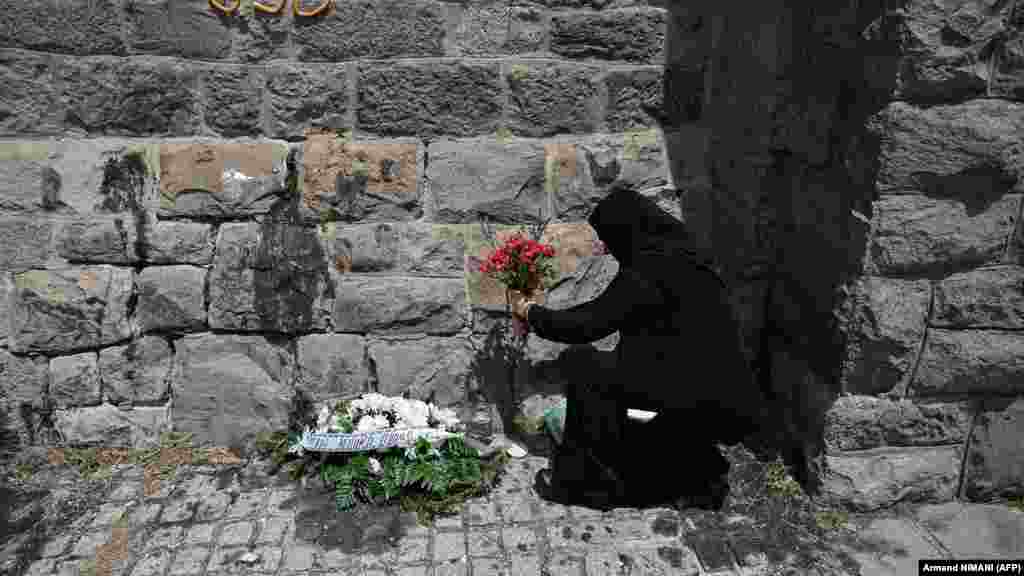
x,y
202,166
113,456
391,168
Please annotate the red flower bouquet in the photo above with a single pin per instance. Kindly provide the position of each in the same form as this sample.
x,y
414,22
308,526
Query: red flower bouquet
x,y
521,264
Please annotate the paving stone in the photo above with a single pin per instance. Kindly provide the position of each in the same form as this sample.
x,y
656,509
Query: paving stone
x,y
485,543
126,490
236,534
550,511
653,560
107,513
168,537
519,540
57,545
517,508
152,564
212,507
144,514
712,550
278,502
247,504
975,530
482,512
273,530
524,565
190,561
449,523
489,567
233,560
409,550
41,568
299,556
449,546
412,570
565,564
338,560
86,546
749,550
178,511
454,568
69,568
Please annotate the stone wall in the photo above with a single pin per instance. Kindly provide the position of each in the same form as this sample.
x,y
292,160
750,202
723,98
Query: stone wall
x,y
858,167
205,213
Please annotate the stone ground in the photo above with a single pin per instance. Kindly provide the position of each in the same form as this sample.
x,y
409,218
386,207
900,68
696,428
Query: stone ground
x,y
246,519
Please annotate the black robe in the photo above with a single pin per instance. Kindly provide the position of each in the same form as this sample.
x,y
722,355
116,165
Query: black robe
x,y
679,349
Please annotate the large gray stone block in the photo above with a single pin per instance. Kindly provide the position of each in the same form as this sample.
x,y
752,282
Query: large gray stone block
x,y
232,99
412,248
134,239
25,381
995,456
947,47
270,277
971,362
261,37
548,98
30,101
400,305
887,326
427,368
75,380
920,235
866,422
77,177
429,98
107,426
228,388
632,95
333,366
76,27
306,96
631,34
133,97
375,30
171,298
875,479
139,372
483,178
967,151
185,28
28,242
987,298
71,309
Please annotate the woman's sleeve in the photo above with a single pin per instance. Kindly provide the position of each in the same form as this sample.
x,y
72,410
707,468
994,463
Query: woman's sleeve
x,y
591,320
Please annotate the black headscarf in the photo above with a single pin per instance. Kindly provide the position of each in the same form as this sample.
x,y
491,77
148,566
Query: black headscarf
x,y
639,234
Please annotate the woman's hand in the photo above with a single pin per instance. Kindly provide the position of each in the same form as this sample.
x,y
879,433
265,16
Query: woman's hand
x,y
520,304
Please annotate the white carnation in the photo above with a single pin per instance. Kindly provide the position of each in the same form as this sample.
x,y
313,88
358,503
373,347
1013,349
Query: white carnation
x,y
323,418
372,423
375,467
446,417
414,414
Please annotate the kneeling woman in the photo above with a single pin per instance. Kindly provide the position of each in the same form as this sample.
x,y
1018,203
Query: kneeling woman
x,y
679,354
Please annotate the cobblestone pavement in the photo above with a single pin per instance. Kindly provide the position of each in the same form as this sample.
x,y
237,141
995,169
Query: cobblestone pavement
x,y
241,520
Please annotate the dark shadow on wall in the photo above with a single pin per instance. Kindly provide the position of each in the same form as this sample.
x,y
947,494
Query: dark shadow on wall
x,y
808,242
291,266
